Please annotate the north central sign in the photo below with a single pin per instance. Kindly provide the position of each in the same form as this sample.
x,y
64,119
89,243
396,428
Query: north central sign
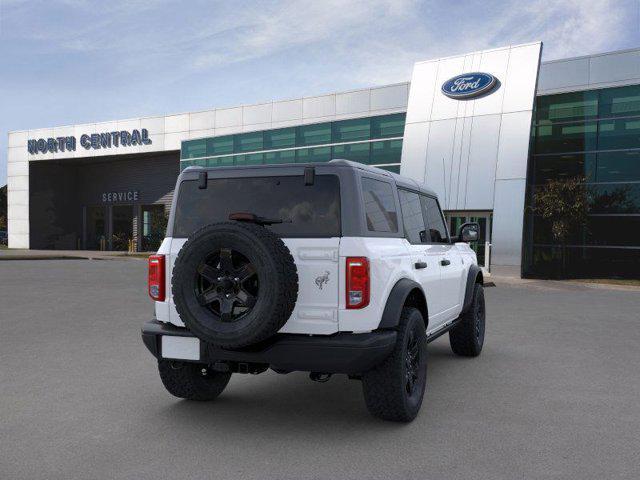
x,y
93,141
469,85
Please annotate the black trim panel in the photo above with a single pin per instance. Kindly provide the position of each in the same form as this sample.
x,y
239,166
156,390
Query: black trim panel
x,y
339,353
472,276
395,302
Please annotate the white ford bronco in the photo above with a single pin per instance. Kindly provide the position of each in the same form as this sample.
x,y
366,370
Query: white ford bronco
x,y
325,268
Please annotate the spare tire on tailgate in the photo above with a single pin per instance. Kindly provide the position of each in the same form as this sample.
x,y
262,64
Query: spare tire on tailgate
x,y
234,284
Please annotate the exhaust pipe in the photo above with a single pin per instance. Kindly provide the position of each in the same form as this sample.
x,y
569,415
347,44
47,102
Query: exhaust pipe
x,y
319,377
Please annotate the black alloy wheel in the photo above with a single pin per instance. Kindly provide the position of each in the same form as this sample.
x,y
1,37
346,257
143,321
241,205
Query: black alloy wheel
x,y
412,362
227,284
467,337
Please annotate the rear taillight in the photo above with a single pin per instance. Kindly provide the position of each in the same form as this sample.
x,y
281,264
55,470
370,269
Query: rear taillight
x,y
156,277
357,282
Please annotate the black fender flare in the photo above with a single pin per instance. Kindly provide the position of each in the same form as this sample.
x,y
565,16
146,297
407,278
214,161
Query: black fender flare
x,y
474,276
396,301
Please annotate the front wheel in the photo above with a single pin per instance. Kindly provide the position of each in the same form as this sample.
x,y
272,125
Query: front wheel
x,y
394,389
193,381
467,337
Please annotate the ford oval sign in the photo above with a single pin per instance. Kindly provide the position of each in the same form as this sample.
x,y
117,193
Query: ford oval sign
x,y
469,85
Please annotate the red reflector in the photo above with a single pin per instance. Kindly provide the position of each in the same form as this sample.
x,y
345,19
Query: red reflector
x,y
357,282
156,277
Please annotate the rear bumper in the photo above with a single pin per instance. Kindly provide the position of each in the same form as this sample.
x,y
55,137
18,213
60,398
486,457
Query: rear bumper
x,y
348,353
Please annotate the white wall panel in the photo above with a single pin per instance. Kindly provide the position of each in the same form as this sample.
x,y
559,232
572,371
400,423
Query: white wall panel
x,y
256,127
154,125
414,150
520,83
202,120
18,240
393,96
131,124
17,154
176,123
494,62
173,141
210,132
514,146
481,172
18,183
440,149
314,107
422,91
18,139
287,111
614,67
17,168
257,114
557,75
508,213
229,117
352,102
19,197
443,106
228,130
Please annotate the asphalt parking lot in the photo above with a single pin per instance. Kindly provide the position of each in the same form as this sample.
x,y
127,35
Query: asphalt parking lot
x,y
555,393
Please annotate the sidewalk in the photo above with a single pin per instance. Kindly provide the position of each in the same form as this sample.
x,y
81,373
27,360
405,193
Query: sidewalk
x,y
20,254
503,275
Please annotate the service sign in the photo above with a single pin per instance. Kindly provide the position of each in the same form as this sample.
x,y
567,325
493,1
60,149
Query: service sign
x,y
469,85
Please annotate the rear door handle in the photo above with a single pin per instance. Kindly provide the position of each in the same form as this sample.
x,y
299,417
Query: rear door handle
x,y
444,262
419,265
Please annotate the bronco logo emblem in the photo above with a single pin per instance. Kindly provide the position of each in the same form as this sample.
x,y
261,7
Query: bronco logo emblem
x,y
322,279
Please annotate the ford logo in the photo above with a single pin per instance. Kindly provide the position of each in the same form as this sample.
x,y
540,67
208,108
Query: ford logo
x,y
469,85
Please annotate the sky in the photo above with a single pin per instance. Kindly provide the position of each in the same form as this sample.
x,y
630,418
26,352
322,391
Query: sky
x,y
65,62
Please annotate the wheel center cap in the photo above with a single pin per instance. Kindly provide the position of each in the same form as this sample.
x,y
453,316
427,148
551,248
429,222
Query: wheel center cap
x,y
228,285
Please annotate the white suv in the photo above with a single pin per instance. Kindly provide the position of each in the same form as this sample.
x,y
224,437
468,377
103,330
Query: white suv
x,y
325,268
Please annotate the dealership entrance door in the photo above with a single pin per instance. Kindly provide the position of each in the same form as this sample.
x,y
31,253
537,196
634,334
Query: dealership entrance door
x,y
124,227
483,246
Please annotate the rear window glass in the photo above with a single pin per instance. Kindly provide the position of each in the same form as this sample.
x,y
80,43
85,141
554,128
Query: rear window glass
x,y
306,211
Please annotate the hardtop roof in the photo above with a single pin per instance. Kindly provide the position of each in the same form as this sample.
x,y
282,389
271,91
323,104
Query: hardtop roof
x,y
399,180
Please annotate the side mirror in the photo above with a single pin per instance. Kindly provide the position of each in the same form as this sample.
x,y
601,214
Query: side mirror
x,y
469,232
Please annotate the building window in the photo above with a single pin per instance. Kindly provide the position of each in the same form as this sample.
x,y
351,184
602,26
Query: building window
x,y
318,154
356,152
592,137
280,138
353,139
313,134
388,126
386,152
352,130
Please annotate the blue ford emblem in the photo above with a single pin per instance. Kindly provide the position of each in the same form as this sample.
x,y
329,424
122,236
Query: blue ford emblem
x,y
468,85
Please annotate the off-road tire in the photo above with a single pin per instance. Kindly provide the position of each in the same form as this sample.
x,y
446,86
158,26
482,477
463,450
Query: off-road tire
x,y
277,276
193,381
467,337
385,386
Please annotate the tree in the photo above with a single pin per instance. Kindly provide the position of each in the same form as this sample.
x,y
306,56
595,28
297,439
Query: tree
x,y
565,204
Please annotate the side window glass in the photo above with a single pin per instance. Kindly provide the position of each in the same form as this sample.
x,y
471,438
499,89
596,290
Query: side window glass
x,y
412,218
435,223
379,206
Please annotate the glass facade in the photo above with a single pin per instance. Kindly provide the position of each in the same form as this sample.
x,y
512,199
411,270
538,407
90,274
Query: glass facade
x,y
593,137
371,140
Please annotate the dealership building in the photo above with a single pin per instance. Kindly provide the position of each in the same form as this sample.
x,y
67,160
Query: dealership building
x,y
486,130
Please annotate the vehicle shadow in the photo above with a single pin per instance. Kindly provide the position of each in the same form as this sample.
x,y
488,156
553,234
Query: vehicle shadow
x,y
289,403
